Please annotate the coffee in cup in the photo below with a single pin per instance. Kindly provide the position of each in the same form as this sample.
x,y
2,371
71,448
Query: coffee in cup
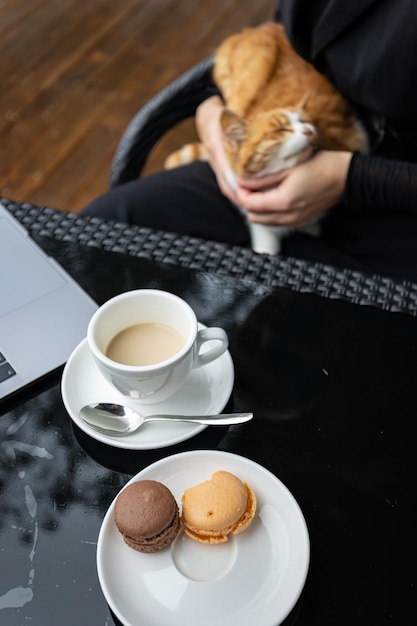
x,y
145,342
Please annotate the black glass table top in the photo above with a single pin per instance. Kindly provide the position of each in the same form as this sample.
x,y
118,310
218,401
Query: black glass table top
x,y
326,360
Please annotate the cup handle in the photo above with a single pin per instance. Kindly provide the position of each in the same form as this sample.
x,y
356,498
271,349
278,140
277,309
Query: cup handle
x,y
221,343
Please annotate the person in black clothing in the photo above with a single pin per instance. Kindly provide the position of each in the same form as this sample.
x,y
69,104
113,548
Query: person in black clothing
x,y
368,50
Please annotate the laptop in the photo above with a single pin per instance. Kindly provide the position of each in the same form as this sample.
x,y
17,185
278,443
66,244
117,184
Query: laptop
x,y
44,313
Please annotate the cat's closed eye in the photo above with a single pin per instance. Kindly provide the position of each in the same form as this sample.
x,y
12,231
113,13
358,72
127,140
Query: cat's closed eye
x,y
278,132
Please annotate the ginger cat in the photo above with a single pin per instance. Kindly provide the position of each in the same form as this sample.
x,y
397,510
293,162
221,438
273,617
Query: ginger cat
x,y
279,111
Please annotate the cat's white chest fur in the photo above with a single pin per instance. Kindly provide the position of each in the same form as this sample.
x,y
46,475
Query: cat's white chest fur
x,y
264,239
267,239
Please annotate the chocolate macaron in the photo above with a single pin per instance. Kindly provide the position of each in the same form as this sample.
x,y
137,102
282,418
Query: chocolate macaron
x,y
147,516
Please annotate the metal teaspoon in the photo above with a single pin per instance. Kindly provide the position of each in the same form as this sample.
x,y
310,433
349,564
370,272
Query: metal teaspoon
x,y
118,420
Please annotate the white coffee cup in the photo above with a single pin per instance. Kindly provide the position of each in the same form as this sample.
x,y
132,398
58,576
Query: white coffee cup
x,y
158,381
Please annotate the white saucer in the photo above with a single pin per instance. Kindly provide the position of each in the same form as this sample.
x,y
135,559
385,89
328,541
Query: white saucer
x,y
254,578
205,392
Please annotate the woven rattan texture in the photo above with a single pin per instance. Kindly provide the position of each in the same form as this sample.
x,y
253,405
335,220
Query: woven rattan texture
x,y
201,255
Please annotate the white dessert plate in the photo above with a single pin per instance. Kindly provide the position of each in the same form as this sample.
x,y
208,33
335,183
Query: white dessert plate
x,y
205,392
254,578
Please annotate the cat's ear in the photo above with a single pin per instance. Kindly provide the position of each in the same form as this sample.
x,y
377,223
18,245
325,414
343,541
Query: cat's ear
x,y
234,127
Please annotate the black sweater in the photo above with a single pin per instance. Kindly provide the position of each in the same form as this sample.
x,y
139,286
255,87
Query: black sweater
x,y
368,49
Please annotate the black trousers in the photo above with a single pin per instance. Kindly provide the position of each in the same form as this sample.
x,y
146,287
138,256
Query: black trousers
x,y
187,201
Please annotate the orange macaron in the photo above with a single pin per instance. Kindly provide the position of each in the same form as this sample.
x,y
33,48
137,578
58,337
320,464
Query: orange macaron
x,y
217,507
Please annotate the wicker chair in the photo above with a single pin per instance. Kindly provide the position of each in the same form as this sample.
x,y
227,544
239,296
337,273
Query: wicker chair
x,y
178,101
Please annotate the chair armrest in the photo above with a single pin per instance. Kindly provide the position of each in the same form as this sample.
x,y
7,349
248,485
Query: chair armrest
x,y
178,101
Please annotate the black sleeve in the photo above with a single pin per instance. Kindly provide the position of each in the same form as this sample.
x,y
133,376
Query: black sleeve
x,y
210,90
380,184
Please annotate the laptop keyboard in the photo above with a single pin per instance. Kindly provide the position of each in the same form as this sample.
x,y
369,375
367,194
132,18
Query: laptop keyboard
x,y
6,370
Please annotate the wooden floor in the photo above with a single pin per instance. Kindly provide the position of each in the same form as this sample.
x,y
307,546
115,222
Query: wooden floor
x,y
74,72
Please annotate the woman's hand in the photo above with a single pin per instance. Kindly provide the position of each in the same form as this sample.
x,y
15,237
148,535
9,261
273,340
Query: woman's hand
x,y
294,197
210,133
